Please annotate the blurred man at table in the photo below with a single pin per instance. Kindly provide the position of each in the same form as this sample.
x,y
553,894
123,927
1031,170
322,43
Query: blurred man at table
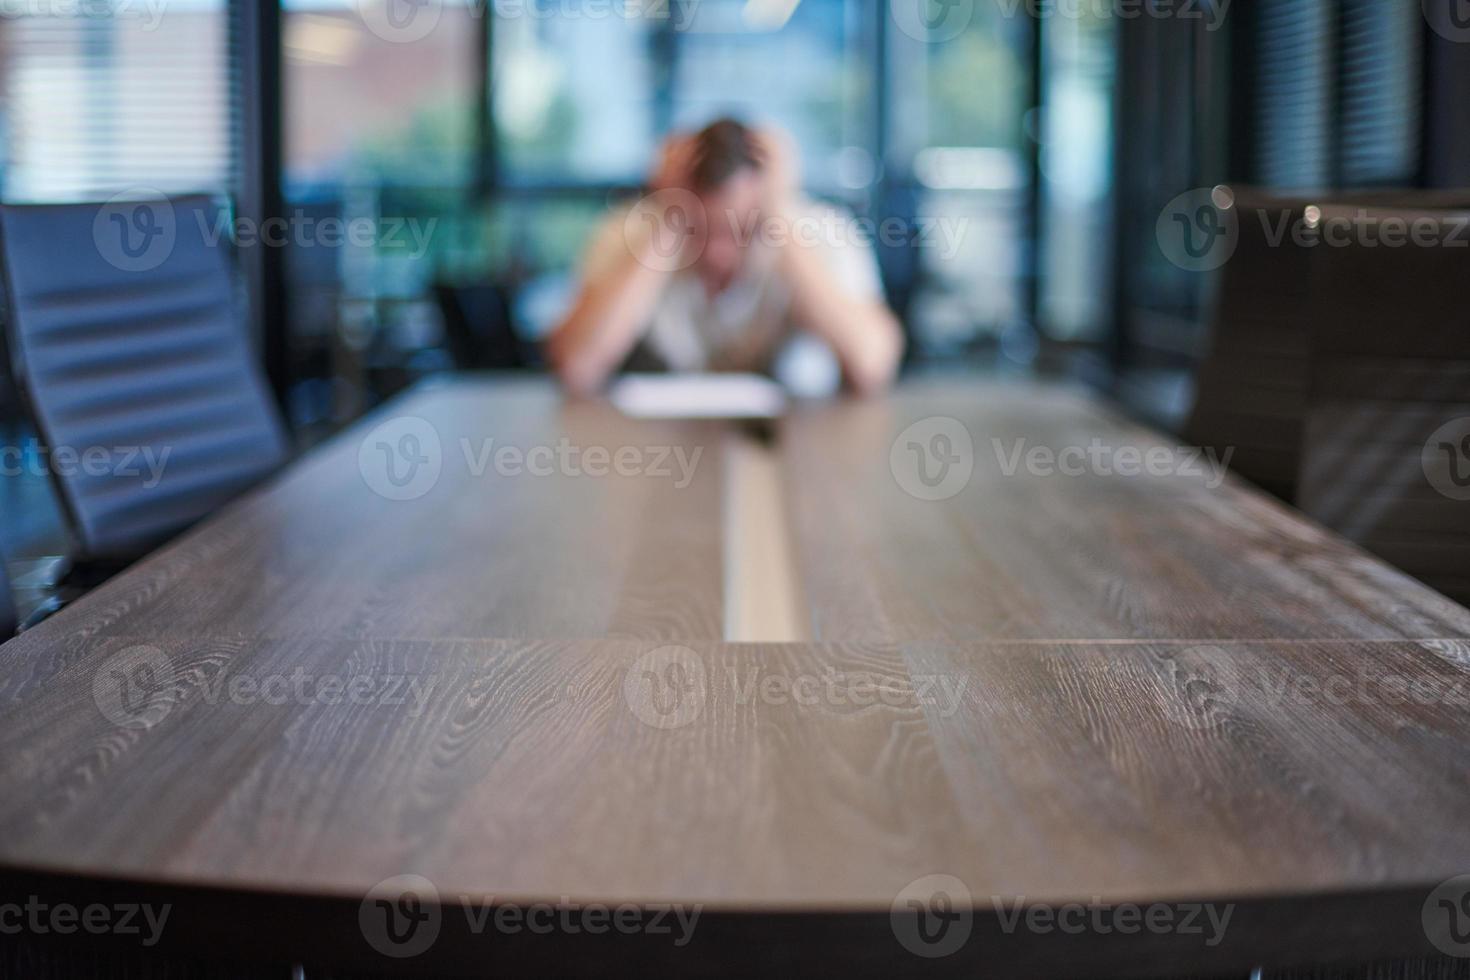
x,y
725,266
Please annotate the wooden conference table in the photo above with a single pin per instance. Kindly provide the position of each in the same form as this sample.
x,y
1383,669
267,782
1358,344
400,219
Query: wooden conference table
x,y
865,698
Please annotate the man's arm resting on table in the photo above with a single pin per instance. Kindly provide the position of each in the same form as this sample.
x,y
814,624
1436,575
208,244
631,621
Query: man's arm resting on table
x,y
606,321
862,332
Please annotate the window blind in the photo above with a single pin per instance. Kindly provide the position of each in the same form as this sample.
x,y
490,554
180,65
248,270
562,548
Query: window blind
x,y
1339,93
1294,87
1381,91
99,98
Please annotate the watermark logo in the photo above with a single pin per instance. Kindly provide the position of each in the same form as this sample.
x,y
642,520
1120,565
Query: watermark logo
x,y
401,916
932,917
302,230
1205,920
1446,459
134,688
933,459
1204,688
667,230
932,21
148,12
666,688
38,917
145,464
1211,12
840,689
136,230
676,463
1446,917
834,228
1199,230
400,21
401,459
1450,19
1098,458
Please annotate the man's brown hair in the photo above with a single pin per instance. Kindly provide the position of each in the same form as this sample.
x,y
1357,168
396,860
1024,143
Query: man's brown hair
x,y
721,150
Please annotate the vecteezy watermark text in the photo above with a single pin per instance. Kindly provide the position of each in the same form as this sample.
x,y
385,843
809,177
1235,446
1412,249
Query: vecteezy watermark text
x,y
37,917
137,687
302,230
1207,687
670,229
669,687
1211,12
1199,230
149,12
403,458
1098,458
1097,917
31,458
934,916
402,917
138,229
407,21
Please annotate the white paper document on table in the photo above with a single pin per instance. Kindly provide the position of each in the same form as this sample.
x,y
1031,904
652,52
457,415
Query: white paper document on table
x,y
698,396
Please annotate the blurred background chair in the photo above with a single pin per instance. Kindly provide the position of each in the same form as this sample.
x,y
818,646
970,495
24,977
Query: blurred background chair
x,y
1251,387
479,326
123,350
1390,375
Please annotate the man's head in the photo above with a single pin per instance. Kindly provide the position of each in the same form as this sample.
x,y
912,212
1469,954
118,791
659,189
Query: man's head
x,y
726,173
722,150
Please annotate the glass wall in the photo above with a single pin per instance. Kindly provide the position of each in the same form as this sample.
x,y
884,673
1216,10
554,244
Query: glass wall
x,y
958,99
381,109
1079,72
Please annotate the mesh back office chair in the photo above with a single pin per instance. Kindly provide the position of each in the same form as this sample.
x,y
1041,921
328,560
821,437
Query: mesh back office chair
x,y
124,336
1385,462
1251,390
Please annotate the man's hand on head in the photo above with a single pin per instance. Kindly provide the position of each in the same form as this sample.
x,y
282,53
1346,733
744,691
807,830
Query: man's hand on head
x,y
675,165
780,169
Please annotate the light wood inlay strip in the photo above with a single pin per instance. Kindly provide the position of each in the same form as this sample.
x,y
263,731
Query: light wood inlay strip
x,y
763,595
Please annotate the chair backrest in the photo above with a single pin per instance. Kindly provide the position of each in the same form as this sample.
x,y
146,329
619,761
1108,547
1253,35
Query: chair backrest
x,y
479,326
128,346
7,604
1251,388
1387,438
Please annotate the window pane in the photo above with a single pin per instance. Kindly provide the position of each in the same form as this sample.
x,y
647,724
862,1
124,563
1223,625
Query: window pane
x,y
572,89
93,105
958,94
804,67
370,103
1076,174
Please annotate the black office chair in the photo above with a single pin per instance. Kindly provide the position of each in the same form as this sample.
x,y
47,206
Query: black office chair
x,y
479,326
8,619
1251,388
125,338
1384,463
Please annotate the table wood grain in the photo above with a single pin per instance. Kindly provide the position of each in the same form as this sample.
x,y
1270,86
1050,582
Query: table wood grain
x,y
1052,690
1040,554
486,552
